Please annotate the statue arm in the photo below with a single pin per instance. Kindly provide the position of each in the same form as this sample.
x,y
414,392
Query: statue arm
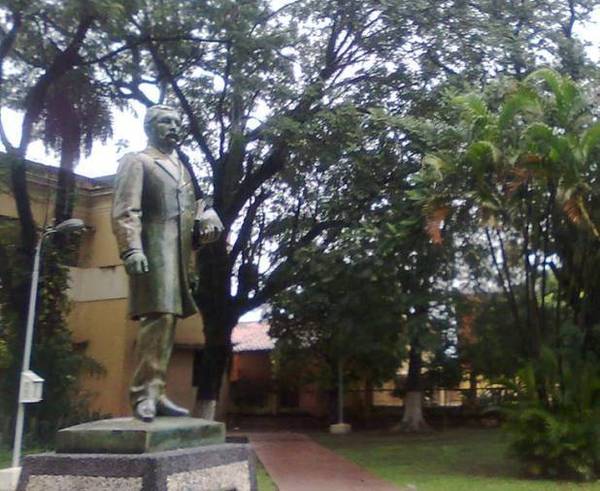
x,y
207,225
127,206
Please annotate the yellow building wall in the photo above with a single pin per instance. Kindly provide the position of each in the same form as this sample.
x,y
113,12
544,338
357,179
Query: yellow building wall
x,y
99,297
99,247
110,341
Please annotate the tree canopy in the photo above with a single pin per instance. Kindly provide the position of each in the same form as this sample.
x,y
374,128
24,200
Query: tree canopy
x,y
300,115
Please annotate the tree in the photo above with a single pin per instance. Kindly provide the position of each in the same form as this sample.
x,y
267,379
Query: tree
x,y
422,271
527,171
343,320
75,115
525,165
41,46
251,80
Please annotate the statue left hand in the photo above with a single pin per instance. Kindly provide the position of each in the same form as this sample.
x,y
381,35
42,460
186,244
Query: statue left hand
x,y
209,226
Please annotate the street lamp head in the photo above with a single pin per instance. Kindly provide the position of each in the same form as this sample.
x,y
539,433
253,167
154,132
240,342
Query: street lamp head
x,y
70,225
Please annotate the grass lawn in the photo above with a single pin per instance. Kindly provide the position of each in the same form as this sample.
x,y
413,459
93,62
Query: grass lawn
x,y
6,455
5,458
265,483
452,460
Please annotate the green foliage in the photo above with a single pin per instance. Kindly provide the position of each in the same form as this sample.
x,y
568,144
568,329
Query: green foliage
x,y
491,344
344,309
524,173
562,438
75,115
4,354
54,356
525,167
366,296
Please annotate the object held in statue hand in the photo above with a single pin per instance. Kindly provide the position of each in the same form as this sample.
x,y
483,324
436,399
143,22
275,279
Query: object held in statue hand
x,y
208,226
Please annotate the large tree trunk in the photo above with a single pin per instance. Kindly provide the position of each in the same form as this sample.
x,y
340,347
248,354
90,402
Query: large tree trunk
x,y
65,191
470,401
223,401
220,317
16,280
212,368
413,420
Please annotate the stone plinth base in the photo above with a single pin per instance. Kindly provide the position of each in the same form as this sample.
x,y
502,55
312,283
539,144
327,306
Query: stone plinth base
x,y
129,435
340,429
208,468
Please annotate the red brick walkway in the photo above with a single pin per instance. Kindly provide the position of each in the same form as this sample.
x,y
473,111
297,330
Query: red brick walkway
x,y
297,463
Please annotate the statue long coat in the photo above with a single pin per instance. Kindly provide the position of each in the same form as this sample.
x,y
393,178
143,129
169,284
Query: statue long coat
x,y
153,212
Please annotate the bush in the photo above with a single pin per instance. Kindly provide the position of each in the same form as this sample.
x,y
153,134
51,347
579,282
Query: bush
x,y
562,445
555,426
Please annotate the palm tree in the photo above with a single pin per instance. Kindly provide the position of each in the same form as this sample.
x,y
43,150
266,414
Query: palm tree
x,y
524,161
75,115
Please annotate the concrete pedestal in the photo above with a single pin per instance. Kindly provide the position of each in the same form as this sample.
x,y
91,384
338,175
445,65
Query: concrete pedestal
x,y
207,468
9,478
340,429
124,454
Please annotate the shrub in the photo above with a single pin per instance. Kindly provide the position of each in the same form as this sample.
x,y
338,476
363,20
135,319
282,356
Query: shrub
x,y
555,426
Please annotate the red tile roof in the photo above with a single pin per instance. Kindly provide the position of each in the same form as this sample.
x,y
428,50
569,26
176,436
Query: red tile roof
x,y
251,336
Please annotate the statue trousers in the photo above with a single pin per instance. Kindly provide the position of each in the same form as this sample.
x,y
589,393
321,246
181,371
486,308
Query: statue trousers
x,y
153,351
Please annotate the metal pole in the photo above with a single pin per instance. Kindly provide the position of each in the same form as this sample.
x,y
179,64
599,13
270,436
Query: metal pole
x,y
27,353
340,391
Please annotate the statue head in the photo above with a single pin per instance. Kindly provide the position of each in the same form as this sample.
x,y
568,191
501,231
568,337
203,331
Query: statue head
x,y
162,124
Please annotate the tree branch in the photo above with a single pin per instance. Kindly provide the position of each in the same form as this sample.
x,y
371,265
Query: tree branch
x,y
34,104
6,45
279,279
245,232
145,39
62,63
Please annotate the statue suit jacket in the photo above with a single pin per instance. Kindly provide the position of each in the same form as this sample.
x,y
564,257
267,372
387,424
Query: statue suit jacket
x,y
153,212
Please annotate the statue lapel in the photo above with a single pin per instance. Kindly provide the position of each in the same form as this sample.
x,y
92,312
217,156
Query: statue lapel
x,y
160,162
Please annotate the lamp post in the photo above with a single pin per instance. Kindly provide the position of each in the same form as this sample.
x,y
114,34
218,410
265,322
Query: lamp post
x,y
67,226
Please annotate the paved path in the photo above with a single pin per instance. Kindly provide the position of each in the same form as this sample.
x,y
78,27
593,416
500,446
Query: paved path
x,y
297,463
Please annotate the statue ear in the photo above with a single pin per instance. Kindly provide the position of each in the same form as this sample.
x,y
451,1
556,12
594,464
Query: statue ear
x,y
150,131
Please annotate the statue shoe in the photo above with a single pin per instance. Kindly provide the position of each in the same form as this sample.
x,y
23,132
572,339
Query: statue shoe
x,y
165,407
145,410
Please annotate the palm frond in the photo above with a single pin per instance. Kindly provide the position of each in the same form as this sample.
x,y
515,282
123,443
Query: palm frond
x,y
434,166
576,211
472,103
549,76
590,139
434,222
524,101
520,175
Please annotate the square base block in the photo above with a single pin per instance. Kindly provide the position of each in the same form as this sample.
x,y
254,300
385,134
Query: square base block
x,y
209,468
129,435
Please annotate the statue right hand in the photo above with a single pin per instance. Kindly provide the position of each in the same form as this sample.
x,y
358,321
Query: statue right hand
x,y
136,263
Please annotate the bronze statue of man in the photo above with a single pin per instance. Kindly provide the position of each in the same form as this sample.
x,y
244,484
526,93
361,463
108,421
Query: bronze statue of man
x,y
154,214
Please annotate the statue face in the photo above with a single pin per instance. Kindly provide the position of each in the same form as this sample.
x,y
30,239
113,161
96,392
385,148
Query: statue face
x,y
164,130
